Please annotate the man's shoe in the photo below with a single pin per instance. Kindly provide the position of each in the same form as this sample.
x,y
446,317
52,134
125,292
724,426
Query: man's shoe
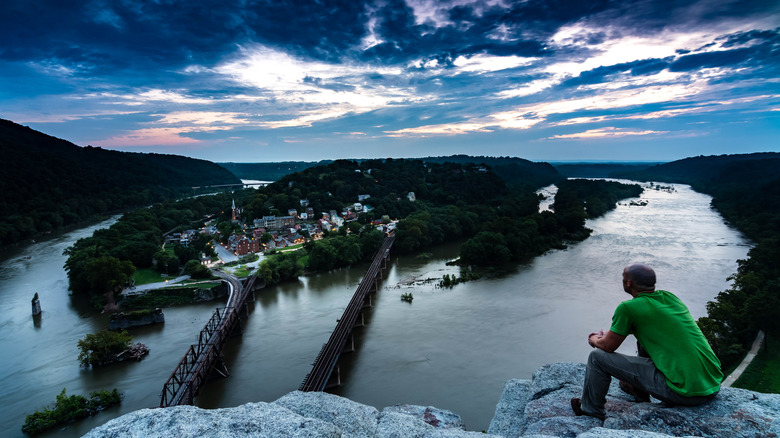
x,y
576,406
639,395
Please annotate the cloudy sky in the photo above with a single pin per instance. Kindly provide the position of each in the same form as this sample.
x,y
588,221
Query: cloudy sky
x,y
259,81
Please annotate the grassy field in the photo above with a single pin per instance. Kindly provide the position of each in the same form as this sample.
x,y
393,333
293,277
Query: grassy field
x,y
244,271
146,276
763,374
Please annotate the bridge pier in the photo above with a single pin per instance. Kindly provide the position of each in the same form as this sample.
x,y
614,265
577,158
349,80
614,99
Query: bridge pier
x,y
335,378
219,369
349,347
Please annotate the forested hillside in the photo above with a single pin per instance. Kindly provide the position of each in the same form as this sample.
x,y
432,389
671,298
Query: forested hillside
x,y
269,171
49,183
514,171
599,170
746,191
448,198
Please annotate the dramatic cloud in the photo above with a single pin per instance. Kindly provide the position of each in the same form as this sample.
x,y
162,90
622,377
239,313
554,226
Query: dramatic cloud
x,y
238,80
606,133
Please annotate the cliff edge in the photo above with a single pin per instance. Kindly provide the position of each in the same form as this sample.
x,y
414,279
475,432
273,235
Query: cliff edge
x,y
536,408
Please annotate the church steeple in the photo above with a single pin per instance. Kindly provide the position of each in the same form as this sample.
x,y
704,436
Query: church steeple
x,y
234,209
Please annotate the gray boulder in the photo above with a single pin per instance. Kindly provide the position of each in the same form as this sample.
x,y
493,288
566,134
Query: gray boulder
x,y
541,407
352,418
406,421
297,414
251,419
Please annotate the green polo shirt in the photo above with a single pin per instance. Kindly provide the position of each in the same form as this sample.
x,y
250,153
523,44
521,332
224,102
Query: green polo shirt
x,y
666,329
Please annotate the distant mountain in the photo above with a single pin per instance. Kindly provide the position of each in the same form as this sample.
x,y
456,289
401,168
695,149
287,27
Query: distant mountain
x,y
714,169
270,171
514,171
48,183
517,172
599,170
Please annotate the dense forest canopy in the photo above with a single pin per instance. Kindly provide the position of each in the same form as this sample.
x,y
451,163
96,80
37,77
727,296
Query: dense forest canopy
x,y
49,183
513,170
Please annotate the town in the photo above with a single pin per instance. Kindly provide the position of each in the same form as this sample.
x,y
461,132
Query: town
x,y
278,232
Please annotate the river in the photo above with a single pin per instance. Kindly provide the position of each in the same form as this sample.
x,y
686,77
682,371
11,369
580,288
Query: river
x,y
449,348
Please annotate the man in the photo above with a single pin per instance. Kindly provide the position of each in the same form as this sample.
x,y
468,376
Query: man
x,y
679,367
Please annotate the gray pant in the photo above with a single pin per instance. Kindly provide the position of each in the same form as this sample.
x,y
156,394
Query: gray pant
x,y
638,371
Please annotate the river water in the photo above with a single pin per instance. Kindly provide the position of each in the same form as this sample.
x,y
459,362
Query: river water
x,y
449,348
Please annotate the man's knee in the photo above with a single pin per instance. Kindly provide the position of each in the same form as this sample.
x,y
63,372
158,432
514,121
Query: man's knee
x,y
596,356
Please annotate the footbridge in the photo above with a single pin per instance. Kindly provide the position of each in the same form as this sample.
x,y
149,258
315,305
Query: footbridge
x,y
204,359
325,368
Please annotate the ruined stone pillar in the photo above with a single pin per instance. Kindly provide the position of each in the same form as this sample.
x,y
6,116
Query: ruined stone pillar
x,y
36,305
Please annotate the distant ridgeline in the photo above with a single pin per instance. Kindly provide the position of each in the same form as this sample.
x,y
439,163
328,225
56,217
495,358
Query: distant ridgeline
x,y
746,191
513,171
48,183
269,171
516,172
600,170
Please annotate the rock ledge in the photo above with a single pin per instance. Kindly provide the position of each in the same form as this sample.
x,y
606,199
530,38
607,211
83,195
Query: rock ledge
x,y
534,408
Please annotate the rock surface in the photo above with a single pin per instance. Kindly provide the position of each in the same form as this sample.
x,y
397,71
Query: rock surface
x,y
121,320
534,408
297,414
540,407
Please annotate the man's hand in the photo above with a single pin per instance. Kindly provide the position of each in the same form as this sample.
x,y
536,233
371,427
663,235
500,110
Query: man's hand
x,y
608,341
595,335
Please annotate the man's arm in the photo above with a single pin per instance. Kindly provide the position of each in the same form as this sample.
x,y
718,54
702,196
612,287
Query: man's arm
x,y
609,341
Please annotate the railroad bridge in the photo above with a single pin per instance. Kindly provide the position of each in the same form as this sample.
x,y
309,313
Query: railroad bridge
x,y
205,357
325,369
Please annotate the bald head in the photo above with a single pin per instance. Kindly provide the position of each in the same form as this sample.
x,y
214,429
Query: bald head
x,y
638,277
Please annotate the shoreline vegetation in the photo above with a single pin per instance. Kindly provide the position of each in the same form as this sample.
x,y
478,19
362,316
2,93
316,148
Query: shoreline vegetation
x,y
67,409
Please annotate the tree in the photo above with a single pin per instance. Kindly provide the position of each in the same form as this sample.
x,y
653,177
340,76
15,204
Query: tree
x,y
354,227
107,273
69,408
280,267
102,347
185,253
195,269
166,262
486,249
